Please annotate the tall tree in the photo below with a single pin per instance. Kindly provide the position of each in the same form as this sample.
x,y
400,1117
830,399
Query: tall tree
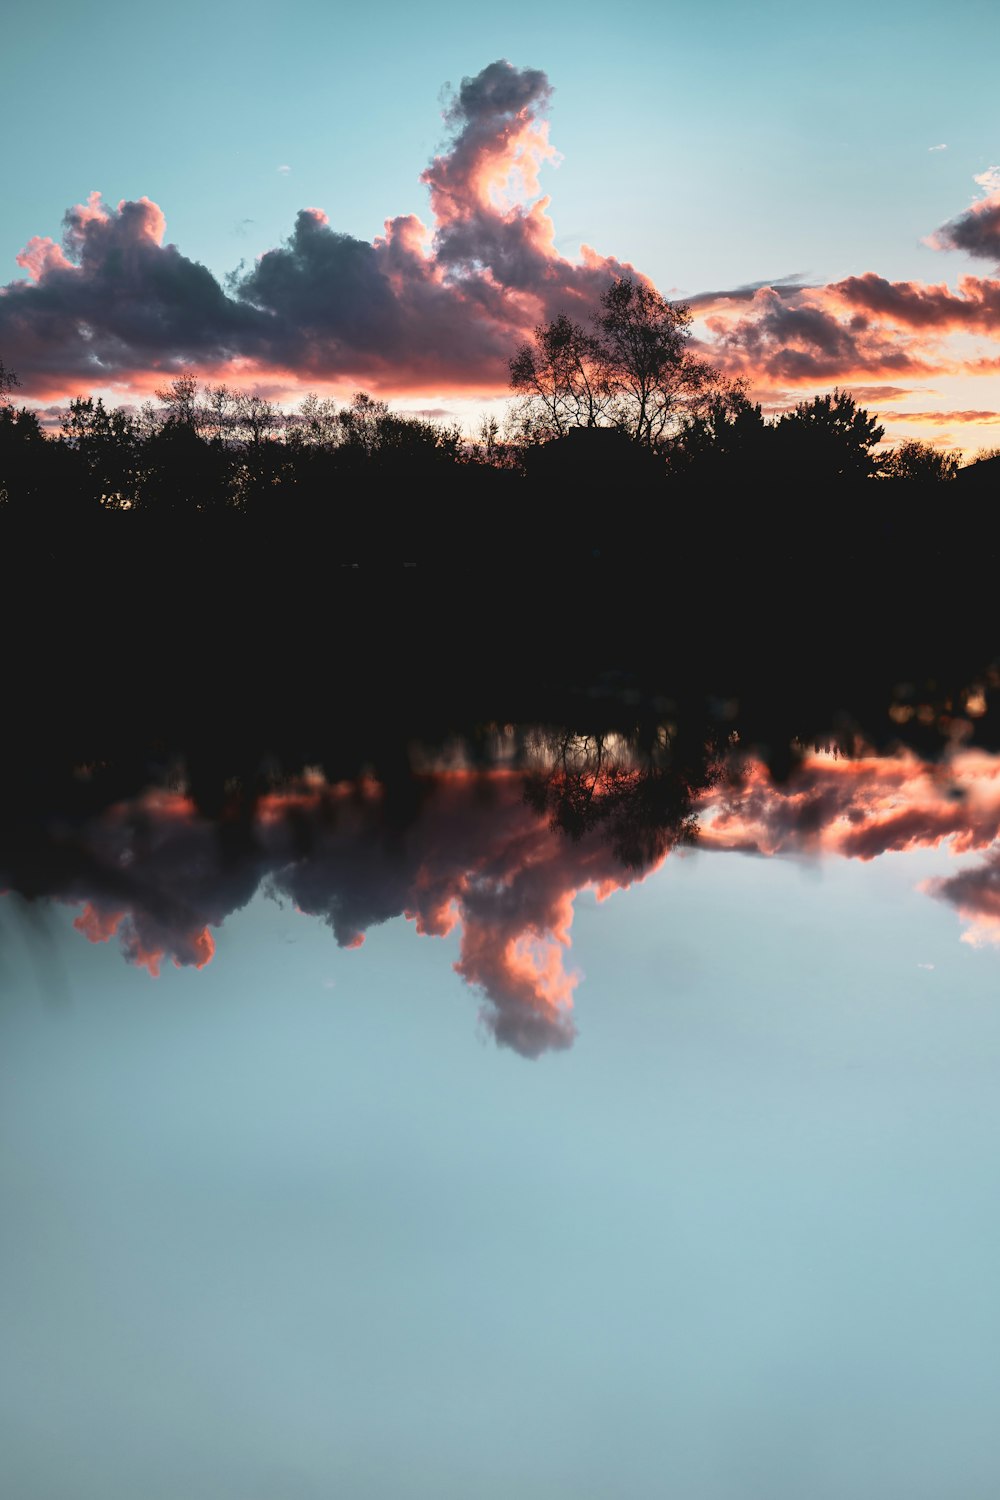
x,y
653,377
180,398
563,375
633,371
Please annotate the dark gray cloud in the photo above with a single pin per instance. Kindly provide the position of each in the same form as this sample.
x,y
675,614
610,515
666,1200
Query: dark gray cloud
x,y
781,340
782,286
112,297
913,304
415,308
977,231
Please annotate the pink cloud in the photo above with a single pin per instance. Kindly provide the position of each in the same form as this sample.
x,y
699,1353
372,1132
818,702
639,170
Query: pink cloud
x,y
430,307
910,304
420,307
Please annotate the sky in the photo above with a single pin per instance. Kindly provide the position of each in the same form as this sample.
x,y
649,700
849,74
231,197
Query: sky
x,y
291,1225
821,184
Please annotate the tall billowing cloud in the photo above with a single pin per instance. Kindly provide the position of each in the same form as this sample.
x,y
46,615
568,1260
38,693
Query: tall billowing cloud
x,y
418,307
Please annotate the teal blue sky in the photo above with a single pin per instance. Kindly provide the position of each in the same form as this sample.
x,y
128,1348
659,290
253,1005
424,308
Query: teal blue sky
x,y
710,145
291,1226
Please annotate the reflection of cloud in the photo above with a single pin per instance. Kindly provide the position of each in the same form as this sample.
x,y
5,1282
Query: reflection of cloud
x,y
863,808
975,894
478,861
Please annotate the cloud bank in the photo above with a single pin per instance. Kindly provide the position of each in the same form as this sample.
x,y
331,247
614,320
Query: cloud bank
x,y
440,306
864,327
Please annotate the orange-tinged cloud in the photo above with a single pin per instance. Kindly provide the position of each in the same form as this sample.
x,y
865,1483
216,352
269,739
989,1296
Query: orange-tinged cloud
x,y
40,256
418,309
442,307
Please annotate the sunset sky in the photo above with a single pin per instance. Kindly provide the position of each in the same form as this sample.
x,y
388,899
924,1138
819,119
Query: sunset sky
x,y
297,200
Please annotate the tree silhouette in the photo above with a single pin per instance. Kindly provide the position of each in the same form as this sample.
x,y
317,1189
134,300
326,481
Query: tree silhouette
x,y
653,376
826,439
633,372
915,460
564,376
8,382
180,398
725,440
23,472
106,445
219,405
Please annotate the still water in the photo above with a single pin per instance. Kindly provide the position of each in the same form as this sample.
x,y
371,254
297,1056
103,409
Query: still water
x,y
452,1156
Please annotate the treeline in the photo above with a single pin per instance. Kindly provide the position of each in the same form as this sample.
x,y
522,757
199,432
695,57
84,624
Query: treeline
x,y
210,448
624,404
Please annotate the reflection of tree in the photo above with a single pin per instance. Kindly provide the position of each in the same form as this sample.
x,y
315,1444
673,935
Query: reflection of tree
x,y
638,797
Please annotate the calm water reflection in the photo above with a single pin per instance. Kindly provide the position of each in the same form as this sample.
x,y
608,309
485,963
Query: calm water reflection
x,y
283,1221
